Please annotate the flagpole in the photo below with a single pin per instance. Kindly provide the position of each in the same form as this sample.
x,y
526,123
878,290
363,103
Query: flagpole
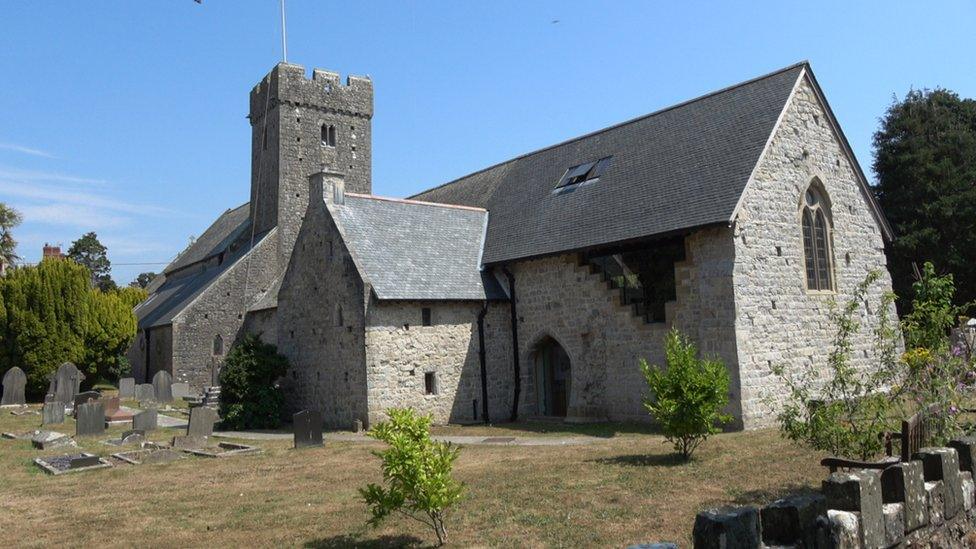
x,y
284,41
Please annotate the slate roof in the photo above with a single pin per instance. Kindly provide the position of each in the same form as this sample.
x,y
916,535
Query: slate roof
x,y
673,170
215,239
410,250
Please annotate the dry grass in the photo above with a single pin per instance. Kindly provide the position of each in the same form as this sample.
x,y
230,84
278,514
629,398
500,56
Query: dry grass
x,y
624,488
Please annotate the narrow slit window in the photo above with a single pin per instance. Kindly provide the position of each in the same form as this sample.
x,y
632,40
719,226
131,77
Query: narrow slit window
x,y
425,316
430,383
328,135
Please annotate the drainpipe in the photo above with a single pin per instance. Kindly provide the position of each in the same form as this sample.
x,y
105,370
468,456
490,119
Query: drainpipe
x,y
481,358
515,346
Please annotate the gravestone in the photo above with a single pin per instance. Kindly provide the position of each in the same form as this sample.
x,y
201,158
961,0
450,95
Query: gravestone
x,y
145,392
91,419
307,426
144,421
82,398
132,436
181,390
114,412
52,412
202,421
127,387
67,383
14,382
163,386
46,440
83,460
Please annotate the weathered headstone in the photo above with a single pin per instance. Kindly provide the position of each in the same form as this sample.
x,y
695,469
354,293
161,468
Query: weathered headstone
x,y
163,386
14,383
181,390
67,383
202,421
145,421
728,527
132,436
858,492
84,460
46,440
307,426
91,419
127,387
52,413
145,392
82,398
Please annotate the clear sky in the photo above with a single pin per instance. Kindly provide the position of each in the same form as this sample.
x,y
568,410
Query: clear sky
x,y
128,117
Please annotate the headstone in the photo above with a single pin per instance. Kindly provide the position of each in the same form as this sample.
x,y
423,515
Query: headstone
x,y
307,425
858,492
114,412
202,419
943,464
133,436
52,413
112,405
145,421
793,520
14,383
903,483
82,398
181,390
84,460
91,419
47,440
127,387
728,527
67,383
145,392
163,386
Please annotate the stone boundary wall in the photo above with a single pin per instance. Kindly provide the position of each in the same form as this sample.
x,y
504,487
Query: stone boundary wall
x,y
927,502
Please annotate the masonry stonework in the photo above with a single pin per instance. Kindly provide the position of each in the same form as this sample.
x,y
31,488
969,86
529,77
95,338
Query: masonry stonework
x,y
778,321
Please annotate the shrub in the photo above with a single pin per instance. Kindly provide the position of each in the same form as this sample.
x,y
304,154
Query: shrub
x,y
417,471
687,398
249,395
844,410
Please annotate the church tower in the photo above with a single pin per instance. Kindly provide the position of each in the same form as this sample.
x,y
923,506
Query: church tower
x,y
300,126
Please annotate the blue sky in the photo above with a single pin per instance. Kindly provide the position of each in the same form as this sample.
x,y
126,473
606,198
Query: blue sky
x,y
127,117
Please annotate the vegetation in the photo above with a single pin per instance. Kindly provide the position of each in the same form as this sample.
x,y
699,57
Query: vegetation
x,y
687,397
844,410
925,159
417,471
92,254
250,397
49,314
142,280
9,218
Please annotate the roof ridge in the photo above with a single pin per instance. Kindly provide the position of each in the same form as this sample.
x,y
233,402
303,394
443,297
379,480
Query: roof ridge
x,y
803,63
416,202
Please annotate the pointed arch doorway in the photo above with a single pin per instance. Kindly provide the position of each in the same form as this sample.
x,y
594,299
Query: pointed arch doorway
x,y
553,378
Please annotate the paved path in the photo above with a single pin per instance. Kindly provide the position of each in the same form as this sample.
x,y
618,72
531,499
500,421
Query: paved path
x,y
461,440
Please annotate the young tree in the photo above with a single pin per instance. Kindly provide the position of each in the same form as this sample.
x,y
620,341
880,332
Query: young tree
x,y
687,397
417,470
142,280
925,160
249,393
9,218
88,251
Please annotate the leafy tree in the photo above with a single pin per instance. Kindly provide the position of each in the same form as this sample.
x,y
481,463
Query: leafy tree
x,y
249,394
91,253
108,330
843,409
687,397
132,296
417,470
9,218
933,314
925,161
142,280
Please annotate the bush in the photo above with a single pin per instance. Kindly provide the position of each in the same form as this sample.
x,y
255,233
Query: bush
x,y
417,470
843,410
687,398
249,395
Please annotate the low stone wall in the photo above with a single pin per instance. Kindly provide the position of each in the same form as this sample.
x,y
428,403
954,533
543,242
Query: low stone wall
x,y
927,502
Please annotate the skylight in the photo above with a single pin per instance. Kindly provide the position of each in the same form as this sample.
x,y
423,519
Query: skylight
x,y
584,173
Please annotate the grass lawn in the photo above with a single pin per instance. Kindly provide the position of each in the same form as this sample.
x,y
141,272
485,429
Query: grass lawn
x,y
623,488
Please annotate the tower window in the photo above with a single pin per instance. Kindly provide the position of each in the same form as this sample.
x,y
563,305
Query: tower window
x,y
430,383
425,316
328,135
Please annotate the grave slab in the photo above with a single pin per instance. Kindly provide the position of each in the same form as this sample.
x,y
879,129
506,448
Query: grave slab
x,y
47,440
71,463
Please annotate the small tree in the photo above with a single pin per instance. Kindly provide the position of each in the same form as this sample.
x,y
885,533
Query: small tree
x,y
417,470
249,393
845,410
91,253
687,398
143,280
9,218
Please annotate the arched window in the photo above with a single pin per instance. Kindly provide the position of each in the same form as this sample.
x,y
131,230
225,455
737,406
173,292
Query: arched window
x,y
818,257
218,345
328,135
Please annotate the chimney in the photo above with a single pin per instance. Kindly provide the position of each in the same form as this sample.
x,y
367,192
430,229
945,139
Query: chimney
x,y
331,186
51,252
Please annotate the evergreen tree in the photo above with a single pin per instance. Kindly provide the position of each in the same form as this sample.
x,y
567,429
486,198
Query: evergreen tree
x,y
925,160
9,218
91,253
142,280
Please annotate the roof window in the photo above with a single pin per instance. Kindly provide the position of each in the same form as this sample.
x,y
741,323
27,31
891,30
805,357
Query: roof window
x,y
587,172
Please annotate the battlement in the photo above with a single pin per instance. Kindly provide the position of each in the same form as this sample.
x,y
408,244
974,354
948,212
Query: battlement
x,y
287,84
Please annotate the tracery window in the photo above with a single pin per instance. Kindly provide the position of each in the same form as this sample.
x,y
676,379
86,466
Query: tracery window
x,y
818,257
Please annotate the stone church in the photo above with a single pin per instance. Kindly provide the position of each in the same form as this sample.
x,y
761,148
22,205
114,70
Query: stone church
x,y
531,288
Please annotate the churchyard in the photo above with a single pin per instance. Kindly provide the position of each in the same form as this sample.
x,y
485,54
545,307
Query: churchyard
x,y
618,484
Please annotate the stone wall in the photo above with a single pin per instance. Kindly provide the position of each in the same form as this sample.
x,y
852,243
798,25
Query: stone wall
x,y
327,355
778,321
160,353
400,351
264,324
219,310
